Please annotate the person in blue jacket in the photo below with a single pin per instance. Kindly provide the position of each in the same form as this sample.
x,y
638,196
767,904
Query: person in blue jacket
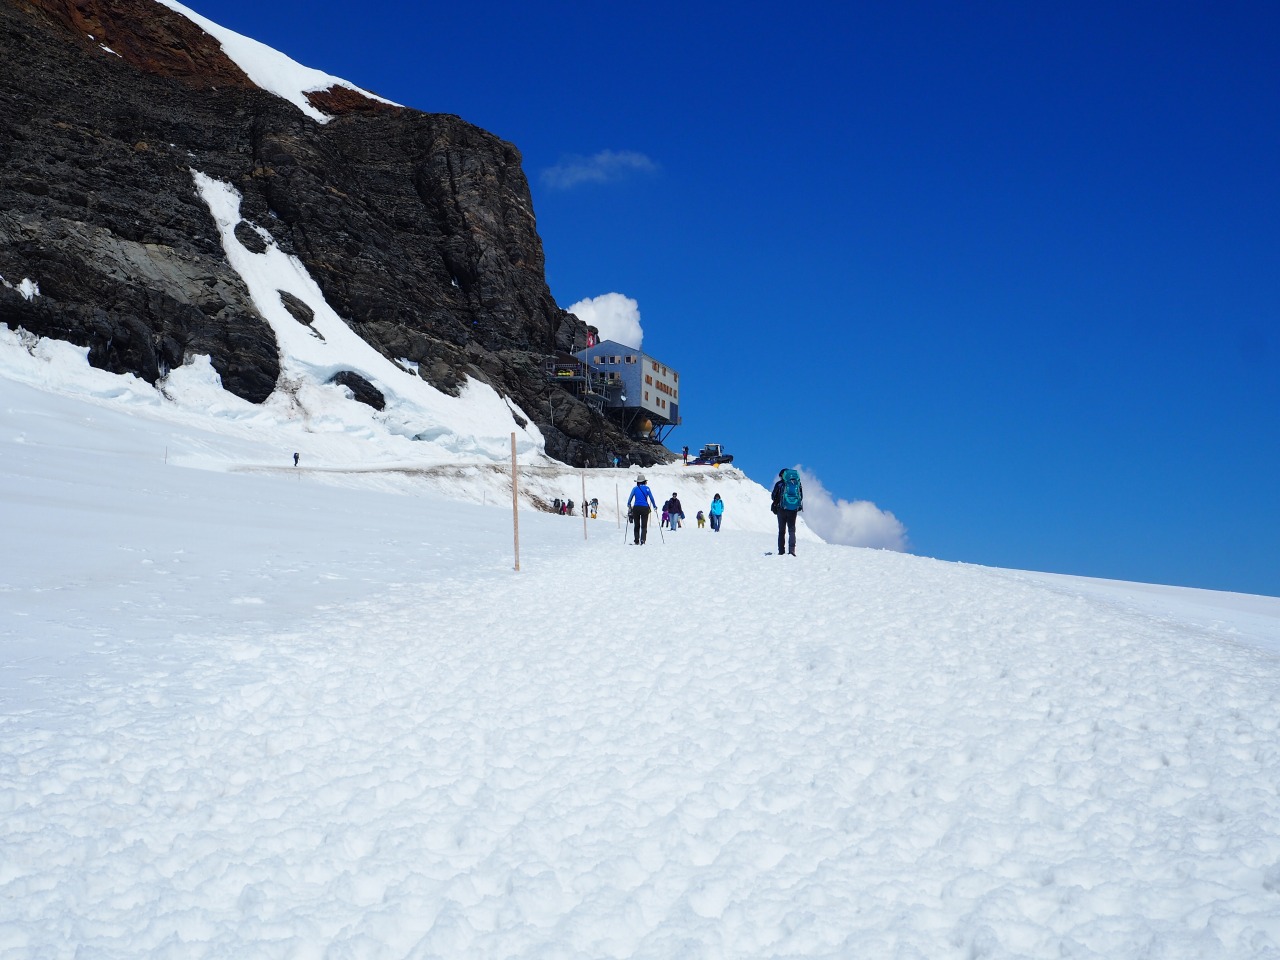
x,y
716,512
641,502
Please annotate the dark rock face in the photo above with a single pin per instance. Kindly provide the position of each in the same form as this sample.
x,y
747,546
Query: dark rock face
x,y
419,228
361,389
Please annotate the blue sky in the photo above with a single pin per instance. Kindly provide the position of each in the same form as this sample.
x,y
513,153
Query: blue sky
x,y
1011,270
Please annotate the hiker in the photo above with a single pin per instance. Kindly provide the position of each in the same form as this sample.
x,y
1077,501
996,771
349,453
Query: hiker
x,y
640,502
676,511
295,459
716,511
686,456
788,500
702,520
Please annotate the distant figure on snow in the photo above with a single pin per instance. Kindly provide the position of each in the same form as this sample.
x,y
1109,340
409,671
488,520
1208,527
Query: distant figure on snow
x,y
675,512
716,511
639,503
788,500
686,456
295,459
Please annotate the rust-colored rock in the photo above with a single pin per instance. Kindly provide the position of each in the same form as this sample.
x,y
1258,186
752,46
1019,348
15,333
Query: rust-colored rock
x,y
147,35
339,100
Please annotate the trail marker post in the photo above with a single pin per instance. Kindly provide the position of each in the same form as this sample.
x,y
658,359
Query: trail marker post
x,y
515,501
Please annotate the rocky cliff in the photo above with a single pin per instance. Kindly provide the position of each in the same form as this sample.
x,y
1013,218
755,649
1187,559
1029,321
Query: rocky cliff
x,y
419,228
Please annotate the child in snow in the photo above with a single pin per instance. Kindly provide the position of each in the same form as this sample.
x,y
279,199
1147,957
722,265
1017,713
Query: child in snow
x,y
702,520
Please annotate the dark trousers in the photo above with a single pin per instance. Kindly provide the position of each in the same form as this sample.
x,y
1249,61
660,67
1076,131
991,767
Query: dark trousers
x,y
786,527
641,517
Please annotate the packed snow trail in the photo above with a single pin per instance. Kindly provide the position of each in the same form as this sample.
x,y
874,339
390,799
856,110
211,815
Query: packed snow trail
x,y
689,749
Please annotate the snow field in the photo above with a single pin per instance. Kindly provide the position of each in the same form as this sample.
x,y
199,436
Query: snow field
x,y
253,711
713,753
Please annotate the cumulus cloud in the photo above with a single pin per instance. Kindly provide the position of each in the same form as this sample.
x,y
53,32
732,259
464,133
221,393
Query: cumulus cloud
x,y
857,523
616,317
606,166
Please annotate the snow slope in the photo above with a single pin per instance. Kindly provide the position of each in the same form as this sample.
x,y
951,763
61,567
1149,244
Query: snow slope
x,y
253,711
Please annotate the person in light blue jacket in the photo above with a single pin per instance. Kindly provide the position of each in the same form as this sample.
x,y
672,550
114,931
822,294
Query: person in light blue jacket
x,y
716,512
640,502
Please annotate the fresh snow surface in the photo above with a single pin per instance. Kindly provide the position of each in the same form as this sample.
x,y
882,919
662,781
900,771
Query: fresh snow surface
x,y
248,710
269,68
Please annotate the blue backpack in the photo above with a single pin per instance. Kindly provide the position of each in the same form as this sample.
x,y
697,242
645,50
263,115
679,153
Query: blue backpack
x,y
792,494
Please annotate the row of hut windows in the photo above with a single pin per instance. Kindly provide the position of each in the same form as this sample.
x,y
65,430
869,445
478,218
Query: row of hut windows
x,y
662,387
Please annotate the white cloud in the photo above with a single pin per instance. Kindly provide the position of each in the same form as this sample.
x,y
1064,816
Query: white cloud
x,y
857,523
617,317
606,166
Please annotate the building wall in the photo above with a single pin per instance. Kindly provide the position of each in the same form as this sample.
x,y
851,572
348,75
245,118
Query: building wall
x,y
649,384
661,389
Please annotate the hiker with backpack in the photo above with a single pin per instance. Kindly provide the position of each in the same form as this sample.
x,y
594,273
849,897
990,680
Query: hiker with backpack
x,y
639,503
717,512
788,500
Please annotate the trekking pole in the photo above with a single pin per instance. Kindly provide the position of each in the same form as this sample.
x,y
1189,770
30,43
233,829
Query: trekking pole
x,y
660,536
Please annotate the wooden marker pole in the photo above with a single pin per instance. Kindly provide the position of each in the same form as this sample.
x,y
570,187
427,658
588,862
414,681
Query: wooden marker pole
x,y
515,500
584,504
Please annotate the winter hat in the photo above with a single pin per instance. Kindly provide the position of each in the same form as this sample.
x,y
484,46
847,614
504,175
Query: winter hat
x,y
640,479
